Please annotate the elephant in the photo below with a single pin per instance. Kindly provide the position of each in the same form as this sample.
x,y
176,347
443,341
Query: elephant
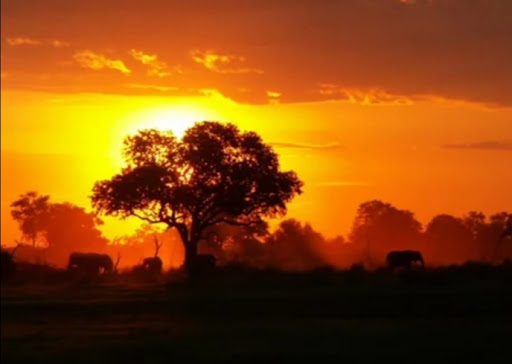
x,y
8,265
404,259
91,263
152,265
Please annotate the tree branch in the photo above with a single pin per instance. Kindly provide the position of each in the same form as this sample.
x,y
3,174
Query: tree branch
x,y
145,218
236,223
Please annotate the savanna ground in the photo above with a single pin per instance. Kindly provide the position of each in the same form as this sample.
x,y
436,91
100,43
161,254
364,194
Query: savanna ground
x,y
448,315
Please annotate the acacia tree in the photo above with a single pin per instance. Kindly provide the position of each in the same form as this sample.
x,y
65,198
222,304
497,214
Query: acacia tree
x,y
215,174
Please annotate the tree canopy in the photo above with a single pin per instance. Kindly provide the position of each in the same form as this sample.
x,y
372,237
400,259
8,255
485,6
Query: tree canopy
x,y
382,223
215,174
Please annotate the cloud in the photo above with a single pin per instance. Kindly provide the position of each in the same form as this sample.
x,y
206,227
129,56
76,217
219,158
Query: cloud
x,y
156,67
95,61
273,97
372,96
211,92
152,87
371,52
333,145
485,145
18,41
59,43
222,63
273,94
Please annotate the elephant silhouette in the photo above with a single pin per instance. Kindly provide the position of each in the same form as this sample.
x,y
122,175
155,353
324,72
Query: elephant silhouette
x,y
202,263
404,259
91,263
152,265
8,265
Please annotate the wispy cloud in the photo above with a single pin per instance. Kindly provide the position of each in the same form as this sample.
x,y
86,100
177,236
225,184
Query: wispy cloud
x,y
95,61
333,145
59,43
211,92
222,63
18,41
156,67
484,145
152,87
372,96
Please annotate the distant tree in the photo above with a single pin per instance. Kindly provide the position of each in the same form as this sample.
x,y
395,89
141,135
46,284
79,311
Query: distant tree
x,y
475,221
70,228
145,234
381,227
501,224
451,239
236,244
215,174
30,211
485,235
296,246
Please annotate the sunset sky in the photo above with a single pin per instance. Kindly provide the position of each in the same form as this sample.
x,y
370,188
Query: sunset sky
x,y
407,101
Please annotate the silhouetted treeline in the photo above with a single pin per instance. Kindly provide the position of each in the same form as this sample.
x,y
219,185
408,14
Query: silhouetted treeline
x,y
52,231
378,228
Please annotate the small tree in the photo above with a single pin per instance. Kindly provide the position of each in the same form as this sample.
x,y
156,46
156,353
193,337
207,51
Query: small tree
x,y
215,174
158,245
30,211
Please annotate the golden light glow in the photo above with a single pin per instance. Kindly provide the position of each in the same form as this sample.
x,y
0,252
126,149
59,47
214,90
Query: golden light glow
x,y
177,118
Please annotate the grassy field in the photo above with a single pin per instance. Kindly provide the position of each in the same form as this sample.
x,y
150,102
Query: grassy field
x,y
450,315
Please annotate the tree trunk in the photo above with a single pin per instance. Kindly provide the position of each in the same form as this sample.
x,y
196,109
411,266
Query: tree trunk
x,y
190,254
190,241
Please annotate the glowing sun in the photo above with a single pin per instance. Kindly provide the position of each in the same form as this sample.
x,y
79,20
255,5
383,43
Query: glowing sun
x,y
175,118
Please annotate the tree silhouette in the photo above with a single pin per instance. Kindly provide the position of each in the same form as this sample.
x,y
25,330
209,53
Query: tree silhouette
x,y
236,244
295,246
381,227
451,238
487,233
502,222
215,174
70,228
30,211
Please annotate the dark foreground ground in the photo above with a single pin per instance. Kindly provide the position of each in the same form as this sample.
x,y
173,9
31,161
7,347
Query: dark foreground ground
x,y
420,317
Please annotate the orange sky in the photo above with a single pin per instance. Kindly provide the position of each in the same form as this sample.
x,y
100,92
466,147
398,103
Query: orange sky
x,y
404,101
